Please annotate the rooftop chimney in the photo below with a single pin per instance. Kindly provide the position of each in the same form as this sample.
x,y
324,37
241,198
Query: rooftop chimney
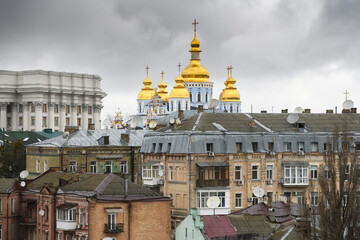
x,y
125,137
263,111
329,111
346,111
91,126
284,111
307,110
353,110
200,108
181,114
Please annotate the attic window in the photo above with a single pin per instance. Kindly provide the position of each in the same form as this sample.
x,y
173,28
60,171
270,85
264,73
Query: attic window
x,y
106,140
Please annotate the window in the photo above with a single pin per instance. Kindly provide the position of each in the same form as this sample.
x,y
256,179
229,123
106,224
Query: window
x,y
67,121
32,108
90,109
56,121
89,121
238,200
153,147
93,165
314,147
170,173
269,172
79,122
56,108
199,97
238,147
78,109
357,146
327,173
269,196
209,147
73,167
238,172
37,165
67,109
1,232
255,172
44,108
160,147
20,108
287,146
300,146
86,217
44,121
32,121
295,175
59,236
111,221
314,198
0,206
169,147
124,167
146,172
202,198
301,198
345,198
45,166
12,206
108,166
271,146
20,121
313,171
255,146
206,97
66,214
347,172
81,220
191,98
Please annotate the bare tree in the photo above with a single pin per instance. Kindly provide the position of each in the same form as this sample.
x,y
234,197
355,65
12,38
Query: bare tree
x,y
338,211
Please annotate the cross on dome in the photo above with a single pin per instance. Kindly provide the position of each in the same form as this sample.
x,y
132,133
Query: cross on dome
x,y
147,70
195,23
346,94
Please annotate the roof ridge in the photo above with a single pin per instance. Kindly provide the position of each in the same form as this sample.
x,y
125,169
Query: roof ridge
x,y
102,186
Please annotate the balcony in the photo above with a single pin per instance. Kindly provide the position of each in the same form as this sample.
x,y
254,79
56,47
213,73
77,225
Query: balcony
x,y
113,228
66,225
28,221
287,182
212,182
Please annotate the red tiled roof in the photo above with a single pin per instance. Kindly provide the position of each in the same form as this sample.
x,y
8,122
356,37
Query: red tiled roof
x,y
218,226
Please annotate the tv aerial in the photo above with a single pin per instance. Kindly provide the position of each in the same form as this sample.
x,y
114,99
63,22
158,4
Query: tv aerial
x,y
348,104
292,118
258,192
152,124
298,110
213,202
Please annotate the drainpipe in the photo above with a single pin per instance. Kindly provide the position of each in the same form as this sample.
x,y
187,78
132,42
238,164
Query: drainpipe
x,y
132,163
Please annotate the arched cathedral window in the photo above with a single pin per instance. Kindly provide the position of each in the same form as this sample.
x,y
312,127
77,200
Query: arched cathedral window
x,y
199,97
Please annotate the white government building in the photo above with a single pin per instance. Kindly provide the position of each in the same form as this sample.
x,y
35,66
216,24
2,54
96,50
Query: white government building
x,y
35,100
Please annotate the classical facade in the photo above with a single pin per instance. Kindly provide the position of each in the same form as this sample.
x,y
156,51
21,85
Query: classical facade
x,y
35,100
231,155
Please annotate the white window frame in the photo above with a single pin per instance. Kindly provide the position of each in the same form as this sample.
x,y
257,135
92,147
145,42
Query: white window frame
x,y
72,166
314,172
81,220
170,173
238,171
124,166
93,167
314,198
314,147
300,146
37,165
59,236
45,165
108,163
203,196
112,222
151,171
287,146
86,217
269,172
238,200
296,175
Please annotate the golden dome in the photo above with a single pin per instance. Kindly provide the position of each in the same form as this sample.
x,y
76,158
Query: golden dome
x,y
230,93
179,91
162,91
146,92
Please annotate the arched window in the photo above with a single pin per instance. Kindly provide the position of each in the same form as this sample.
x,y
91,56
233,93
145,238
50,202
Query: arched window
x,y
191,97
172,106
237,109
46,213
167,106
139,107
199,97
179,106
186,106
231,108
206,97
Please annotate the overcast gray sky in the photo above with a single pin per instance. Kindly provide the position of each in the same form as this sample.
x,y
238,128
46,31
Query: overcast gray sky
x,y
285,53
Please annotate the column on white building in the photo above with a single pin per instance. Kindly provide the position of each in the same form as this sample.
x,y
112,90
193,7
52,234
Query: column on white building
x,y
14,116
62,117
85,116
38,115
3,117
97,112
73,119
51,107
26,116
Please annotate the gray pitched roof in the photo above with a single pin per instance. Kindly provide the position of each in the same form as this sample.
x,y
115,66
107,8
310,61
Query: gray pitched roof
x,y
6,184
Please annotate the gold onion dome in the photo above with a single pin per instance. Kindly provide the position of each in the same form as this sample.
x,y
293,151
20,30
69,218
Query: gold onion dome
x,y
162,91
146,92
179,91
230,93
195,72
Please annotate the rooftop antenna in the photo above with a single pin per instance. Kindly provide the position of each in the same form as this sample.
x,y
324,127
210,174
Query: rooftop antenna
x,y
213,202
292,118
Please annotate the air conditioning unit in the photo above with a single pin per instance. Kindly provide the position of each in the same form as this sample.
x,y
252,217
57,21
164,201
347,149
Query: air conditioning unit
x,y
161,181
250,199
269,182
281,181
211,154
78,226
239,182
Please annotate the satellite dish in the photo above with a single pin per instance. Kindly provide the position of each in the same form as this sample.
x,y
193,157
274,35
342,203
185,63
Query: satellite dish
x,y
24,174
298,110
348,104
213,202
106,122
213,103
22,183
172,121
292,118
136,121
153,124
41,212
258,192
178,121
161,173
65,135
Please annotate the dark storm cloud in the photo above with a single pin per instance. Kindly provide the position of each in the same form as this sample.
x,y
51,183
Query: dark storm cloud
x,y
271,44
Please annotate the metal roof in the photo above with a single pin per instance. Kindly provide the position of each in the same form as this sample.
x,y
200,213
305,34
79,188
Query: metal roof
x,y
218,226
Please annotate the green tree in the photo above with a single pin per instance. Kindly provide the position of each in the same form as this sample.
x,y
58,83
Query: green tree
x,y
12,159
